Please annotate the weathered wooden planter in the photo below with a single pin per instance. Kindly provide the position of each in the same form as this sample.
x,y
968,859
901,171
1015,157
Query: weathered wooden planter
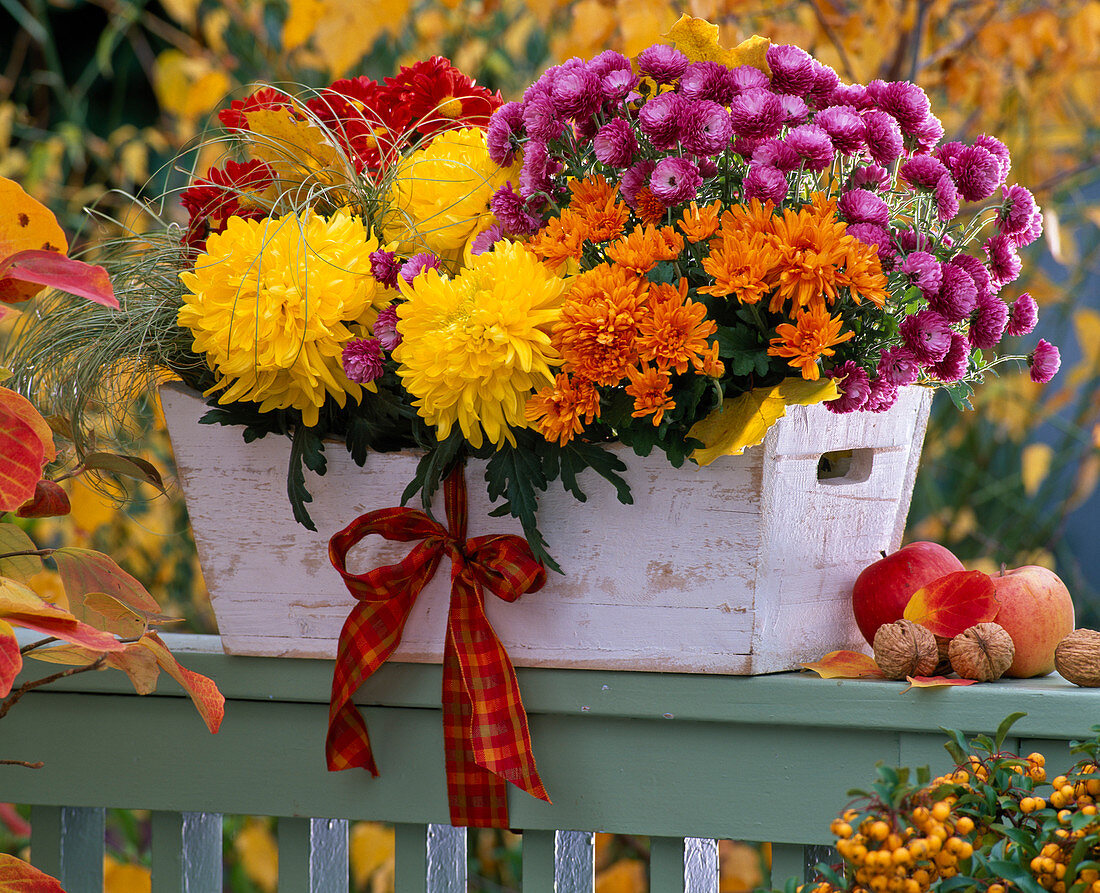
x,y
742,567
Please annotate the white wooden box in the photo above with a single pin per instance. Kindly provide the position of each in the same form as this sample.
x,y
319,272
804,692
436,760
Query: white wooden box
x,y
742,567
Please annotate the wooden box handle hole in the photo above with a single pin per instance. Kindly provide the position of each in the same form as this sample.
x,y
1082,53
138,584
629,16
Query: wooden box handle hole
x,y
845,466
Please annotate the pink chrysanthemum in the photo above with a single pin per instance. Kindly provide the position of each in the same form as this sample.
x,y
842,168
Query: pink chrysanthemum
x,y
635,178
756,114
812,144
977,271
905,101
384,267
776,153
852,95
1033,231
1044,361
883,395
826,80
988,322
976,171
845,128
854,387
792,69
765,183
747,77
911,240
385,328
707,80
417,264
957,295
362,360
927,334
946,195
1023,316
537,171
615,143
501,137
884,139
577,93
510,209
863,206
998,150
675,181
707,128
486,239
662,119
541,119
922,171
922,270
795,110
662,63
898,366
1004,262
869,176
618,84
1017,210
878,238
953,366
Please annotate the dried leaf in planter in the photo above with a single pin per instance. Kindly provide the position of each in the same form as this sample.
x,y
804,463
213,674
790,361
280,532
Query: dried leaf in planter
x,y
904,649
953,603
845,665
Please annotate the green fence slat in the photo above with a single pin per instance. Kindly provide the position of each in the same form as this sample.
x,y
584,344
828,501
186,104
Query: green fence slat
x,y
294,854
187,852
46,839
410,858
788,861
538,861
666,865
83,835
167,852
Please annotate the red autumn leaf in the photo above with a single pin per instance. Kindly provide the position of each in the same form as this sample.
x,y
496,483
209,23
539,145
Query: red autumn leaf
x,y
20,406
84,571
20,606
11,661
55,270
953,603
933,682
845,665
49,501
22,455
17,876
204,693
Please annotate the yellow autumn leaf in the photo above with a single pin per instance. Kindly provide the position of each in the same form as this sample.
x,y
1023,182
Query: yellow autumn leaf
x,y
346,32
698,40
259,854
302,17
741,422
1035,460
371,846
119,878
640,21
295,148
188,86
752,51
183,11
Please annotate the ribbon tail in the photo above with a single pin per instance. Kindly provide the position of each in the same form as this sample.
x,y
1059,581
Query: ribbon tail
x,y
486,734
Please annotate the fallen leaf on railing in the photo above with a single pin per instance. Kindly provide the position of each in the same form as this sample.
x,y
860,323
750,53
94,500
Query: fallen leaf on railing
x,y
845,665
933,682
953,603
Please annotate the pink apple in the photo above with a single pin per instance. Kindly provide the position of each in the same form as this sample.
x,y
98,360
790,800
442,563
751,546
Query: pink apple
x,y
882,589
1036,610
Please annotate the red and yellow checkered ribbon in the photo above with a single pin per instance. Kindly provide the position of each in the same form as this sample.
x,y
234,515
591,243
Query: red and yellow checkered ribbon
x,y
485,736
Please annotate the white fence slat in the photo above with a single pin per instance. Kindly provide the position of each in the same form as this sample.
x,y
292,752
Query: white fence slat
x,y
574,861
700,865
328,856
446,859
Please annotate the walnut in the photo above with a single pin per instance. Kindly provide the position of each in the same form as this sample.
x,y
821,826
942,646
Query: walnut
x,y
982,652
943,666
1077,658
905,649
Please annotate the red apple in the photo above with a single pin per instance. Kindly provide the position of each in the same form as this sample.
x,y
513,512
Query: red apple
x,y
1036,610
882,589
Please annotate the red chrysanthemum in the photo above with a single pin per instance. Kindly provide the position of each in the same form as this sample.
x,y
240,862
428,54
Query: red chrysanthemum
x,y
222,194
439,97
235,118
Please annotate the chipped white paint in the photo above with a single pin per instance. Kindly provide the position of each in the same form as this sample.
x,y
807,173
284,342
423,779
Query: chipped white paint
x,y
741,567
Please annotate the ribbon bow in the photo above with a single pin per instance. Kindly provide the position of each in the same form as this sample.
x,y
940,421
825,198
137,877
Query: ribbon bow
x,y
485,736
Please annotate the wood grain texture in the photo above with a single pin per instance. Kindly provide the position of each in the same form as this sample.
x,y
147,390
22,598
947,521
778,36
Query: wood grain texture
x,y
741,567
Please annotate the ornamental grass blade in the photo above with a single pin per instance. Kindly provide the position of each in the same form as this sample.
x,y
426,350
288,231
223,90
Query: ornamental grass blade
x,y
845,665
933,682
953,603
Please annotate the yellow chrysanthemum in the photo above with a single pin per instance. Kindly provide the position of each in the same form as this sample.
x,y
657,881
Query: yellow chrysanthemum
x,y
271,302
474,347
439,198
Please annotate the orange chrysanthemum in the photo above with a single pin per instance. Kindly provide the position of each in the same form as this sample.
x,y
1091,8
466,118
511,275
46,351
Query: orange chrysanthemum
x,y
561,411
674,333
750,219
863,272
641,249
597,202
812,252
699,224
812,337
598,333
648,207
741,266
561,239
649,387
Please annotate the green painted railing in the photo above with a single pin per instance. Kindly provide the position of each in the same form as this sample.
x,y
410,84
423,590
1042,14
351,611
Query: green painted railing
x,y
683,759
